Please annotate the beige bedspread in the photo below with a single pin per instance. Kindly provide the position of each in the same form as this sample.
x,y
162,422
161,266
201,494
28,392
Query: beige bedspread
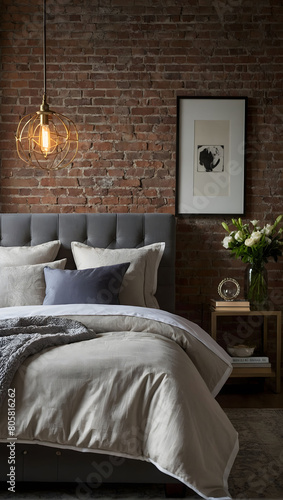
x,y
141,389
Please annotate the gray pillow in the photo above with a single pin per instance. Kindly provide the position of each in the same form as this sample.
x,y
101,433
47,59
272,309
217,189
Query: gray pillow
x,y
87,286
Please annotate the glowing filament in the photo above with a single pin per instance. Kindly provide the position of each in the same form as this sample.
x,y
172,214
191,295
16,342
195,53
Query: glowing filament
x,y
45,138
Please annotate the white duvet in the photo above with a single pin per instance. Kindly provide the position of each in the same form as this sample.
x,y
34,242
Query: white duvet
x,y
142,388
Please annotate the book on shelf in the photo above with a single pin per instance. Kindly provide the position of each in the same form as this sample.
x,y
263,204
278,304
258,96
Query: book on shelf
x,y
251,365
231,309
230,304
250,359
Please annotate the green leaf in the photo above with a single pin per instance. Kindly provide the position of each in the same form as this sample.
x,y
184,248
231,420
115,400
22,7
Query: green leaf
x,y
225,226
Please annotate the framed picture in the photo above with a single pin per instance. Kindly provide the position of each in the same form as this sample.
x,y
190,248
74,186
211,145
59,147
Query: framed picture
x,y
210,155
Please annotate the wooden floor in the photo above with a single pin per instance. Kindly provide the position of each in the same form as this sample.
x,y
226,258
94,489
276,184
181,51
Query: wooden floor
x,y
249,393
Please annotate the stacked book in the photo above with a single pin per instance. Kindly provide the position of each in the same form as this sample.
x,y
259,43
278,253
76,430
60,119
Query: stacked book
x,y
230,305
252,361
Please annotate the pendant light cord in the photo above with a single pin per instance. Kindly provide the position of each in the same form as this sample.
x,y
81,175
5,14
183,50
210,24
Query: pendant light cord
x,y
44,47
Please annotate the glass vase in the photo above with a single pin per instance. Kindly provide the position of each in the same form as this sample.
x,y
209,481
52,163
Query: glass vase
x,y
256,286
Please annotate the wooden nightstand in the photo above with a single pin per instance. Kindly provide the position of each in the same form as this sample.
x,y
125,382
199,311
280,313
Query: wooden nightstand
x,y
255,371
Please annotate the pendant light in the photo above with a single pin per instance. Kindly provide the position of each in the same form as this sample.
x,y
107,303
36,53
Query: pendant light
x,y
46,139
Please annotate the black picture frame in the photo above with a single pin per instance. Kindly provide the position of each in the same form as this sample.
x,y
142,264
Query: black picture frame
x,y
211,141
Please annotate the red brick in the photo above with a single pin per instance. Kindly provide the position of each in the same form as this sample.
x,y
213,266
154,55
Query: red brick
x,y
120,86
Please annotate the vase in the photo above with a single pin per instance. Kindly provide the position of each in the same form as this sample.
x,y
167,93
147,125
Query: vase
x,y
256,286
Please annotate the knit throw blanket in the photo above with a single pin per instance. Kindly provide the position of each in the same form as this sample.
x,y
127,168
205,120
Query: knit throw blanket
x,y
22,337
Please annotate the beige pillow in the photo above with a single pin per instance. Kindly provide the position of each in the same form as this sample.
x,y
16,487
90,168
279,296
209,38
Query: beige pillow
x,y
140,281
21,256
25,285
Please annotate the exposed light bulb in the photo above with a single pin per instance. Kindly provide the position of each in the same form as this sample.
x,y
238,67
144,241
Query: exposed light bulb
x,y
45,138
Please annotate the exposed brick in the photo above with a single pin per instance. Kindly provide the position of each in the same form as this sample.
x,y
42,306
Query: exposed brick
x,y
117,73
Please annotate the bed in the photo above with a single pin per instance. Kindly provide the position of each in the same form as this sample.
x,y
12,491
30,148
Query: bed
x,y
131,396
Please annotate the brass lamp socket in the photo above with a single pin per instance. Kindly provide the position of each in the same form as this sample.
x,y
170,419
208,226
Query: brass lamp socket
x,y
44,118
44,112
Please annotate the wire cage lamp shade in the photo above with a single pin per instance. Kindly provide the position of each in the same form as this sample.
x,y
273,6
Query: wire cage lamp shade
x,y
46,139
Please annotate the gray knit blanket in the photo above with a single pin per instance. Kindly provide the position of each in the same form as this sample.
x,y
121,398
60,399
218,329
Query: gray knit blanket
x,y
22,337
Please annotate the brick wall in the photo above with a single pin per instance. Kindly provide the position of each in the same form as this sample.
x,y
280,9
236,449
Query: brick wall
x,y
116,67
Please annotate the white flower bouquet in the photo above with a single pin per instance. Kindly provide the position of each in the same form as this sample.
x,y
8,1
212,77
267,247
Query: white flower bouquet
x,y
252,243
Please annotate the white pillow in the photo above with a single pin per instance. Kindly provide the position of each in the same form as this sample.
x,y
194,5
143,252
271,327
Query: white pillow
x,y
25,285
21,256
140,281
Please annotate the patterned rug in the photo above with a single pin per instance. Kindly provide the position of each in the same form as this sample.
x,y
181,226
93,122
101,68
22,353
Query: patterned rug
x,y
257,472
258,468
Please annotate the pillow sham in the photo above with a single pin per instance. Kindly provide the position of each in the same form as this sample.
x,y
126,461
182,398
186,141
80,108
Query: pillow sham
x,y
87,286
24,285
140,281
21,256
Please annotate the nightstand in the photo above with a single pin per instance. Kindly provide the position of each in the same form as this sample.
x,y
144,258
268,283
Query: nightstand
x,y
255,371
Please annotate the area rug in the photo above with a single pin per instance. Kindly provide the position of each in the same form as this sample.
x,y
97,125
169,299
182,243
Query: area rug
x,y
258,468
256,474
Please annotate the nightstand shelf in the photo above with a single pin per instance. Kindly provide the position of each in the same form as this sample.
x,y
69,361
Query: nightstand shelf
x,y
255,371
252,372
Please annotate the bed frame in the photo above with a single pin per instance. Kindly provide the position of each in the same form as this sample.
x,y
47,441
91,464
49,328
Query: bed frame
x,y
48,464
98,230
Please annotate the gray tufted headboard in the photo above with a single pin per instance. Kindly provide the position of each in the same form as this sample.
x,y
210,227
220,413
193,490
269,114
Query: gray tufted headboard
x,y
99,230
